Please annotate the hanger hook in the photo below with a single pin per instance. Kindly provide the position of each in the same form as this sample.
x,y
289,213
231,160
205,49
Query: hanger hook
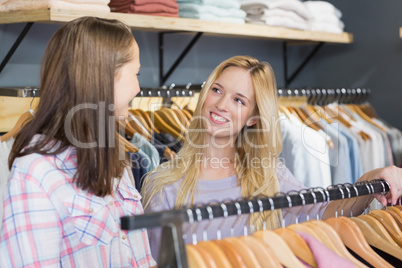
x,y
225,215
301,207
309,191
325,199
367,208
191,221
239,212
343,198
261,210
252,226
210,217
289,205
357,195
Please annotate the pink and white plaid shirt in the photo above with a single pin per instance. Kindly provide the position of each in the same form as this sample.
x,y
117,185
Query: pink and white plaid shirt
x,y
48,221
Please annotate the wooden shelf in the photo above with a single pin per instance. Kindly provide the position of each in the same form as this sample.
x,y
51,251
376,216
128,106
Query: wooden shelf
x,y
400,32
162,24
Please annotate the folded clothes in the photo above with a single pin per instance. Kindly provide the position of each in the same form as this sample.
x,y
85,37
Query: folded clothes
x,y
280,21
220,3
277,12
57,4
319,7
170,3
187,9
210,17
325,27
147,8
163,14
255,6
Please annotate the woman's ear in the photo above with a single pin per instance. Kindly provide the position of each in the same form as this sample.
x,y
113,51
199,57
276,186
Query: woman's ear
x,y
251,121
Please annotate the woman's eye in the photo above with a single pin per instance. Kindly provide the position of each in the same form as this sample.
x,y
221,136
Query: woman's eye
x,y
216,90
239,101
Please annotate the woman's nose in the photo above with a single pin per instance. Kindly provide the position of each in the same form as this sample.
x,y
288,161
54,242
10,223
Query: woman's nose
x,y
222,104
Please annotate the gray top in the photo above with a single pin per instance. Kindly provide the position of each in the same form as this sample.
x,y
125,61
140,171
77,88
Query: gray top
x,y
224,190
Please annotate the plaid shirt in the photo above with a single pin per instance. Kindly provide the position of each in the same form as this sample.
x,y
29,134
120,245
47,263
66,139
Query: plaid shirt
x,y
50,222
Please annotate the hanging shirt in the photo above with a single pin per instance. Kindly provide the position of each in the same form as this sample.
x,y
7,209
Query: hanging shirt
x,y
223,190
148,149
339,156
5,149
305,152
49,221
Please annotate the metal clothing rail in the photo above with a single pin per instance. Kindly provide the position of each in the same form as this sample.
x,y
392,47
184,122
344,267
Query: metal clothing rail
x,y
172,252
326,96
172,91
26,92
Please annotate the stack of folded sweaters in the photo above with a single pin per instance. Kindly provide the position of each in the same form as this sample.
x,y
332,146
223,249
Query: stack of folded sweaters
x,y
324,17
167,8
89,5
212,10
282,13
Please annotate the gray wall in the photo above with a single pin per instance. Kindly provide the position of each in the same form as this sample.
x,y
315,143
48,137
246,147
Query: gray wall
x,y
373,60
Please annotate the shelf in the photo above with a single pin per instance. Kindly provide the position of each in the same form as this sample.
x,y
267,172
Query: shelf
x,y
166,24
400,32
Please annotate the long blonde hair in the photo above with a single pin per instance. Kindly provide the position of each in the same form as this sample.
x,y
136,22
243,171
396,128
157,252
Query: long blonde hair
x,y
262,141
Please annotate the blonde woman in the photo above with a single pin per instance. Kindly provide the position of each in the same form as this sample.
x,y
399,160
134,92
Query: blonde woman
x,y
231,152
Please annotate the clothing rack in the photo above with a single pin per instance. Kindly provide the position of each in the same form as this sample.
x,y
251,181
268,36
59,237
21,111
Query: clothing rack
x,y
326,96
172,252
27,92
171,91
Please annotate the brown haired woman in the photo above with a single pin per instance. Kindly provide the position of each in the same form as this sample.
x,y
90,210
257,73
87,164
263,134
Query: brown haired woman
x,y
70,182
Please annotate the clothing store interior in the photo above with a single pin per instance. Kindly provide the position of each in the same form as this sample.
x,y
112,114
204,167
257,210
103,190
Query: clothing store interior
x,y
337,66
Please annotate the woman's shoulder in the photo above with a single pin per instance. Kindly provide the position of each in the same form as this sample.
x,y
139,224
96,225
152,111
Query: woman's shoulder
x,y
45,170
287,181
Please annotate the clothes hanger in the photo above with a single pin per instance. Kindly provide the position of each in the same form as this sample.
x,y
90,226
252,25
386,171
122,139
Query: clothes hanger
x,y
264,254
128,146
390,225
280,248
164,127
232,255
353,238
182,118
171,118
21,122
194,258
336,240
133,125
298,246
141,113
376,240
245,252
396,214
206,256
263,251
140,119
216,252
378,227
333,235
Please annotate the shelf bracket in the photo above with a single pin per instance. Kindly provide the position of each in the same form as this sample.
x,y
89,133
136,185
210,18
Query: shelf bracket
x,y
289,79
14,47
163,77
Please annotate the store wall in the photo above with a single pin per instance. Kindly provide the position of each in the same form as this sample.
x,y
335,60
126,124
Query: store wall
x,y
373,60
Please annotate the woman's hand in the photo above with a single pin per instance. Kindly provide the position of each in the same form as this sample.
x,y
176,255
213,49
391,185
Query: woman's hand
x,y
391,174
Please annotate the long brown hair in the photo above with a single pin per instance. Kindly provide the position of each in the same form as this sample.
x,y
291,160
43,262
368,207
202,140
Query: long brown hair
x,y
77,92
